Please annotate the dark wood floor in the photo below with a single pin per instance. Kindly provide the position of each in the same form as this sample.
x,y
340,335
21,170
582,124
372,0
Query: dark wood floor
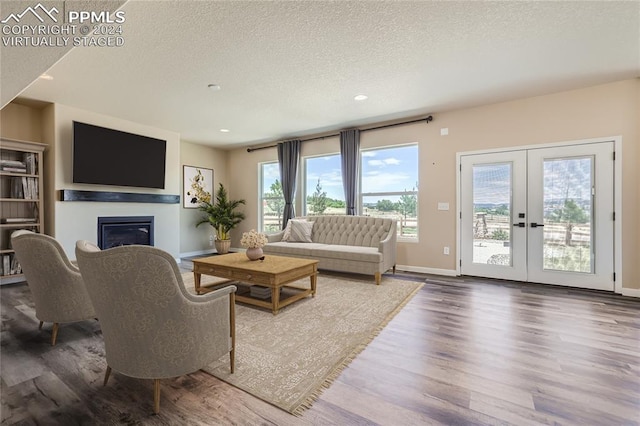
x,y
463,351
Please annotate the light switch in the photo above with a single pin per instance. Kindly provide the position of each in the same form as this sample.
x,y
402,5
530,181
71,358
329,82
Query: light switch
x,y
444,131
443,206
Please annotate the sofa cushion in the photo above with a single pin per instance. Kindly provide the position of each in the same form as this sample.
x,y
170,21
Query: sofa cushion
x,y
362,254
300,231
291,249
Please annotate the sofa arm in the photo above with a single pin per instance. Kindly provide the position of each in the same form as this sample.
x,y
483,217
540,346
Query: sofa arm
x,y
274,238
388,248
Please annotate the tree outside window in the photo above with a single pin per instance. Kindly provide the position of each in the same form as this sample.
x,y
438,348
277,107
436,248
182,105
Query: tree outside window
x,y
317,201
387,175
271,198
323,185
570,215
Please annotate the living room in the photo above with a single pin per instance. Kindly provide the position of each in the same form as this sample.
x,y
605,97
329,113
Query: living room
x,y
568,116
570,109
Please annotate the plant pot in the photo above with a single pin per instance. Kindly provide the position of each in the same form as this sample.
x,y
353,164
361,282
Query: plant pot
x,y
223,246
254,253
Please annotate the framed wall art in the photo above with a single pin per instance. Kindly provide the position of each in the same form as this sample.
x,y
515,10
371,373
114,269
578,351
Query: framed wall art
x,y
198,185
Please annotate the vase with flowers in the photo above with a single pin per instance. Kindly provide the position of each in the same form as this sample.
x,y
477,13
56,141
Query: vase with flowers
x,y
254,241
222,216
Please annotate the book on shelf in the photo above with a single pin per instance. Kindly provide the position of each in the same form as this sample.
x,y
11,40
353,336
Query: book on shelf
x,y
13,163
10,265
29,191
18,220
6,264
15,266
30,162
16,188
27,188
13,169
13,166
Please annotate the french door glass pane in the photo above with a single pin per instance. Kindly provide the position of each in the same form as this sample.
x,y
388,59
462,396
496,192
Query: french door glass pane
x,y
568,214
492,214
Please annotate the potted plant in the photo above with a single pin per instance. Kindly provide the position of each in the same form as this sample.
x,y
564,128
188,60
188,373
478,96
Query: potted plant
x,y
222,216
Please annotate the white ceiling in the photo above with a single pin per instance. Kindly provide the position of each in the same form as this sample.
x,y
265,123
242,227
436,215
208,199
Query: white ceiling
x,y
292,68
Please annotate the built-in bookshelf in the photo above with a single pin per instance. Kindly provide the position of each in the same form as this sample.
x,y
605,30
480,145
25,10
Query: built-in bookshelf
x,y
21,200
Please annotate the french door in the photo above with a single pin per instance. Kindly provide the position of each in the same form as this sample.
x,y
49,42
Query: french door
x,y
540,215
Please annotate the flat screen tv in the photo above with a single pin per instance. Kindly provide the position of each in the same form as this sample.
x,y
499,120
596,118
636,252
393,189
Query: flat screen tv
x,y
104,156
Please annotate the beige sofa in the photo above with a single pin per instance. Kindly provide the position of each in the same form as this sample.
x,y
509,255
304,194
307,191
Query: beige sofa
x,y
356,244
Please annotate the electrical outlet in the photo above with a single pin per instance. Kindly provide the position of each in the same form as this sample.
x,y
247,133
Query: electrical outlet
x,y
446,250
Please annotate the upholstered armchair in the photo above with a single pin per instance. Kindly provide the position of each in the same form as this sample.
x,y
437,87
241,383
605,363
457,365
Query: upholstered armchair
x,y
55,283
153,327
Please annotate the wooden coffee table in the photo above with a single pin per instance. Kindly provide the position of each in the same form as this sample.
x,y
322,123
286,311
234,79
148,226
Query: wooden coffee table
x,y
274,272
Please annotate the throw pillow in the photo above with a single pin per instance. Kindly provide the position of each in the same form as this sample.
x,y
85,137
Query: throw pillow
x,y
287,231
301,231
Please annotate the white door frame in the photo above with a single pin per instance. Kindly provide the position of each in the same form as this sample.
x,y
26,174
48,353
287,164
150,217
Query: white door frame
x,y
617,196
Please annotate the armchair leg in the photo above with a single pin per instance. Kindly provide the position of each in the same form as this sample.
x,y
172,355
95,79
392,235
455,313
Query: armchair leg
x,y
106,376
394,269
54,334
232,323
156,396
40,326
378,278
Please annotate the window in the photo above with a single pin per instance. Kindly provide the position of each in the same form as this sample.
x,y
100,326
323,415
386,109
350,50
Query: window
x,y
271,197
323,185
390,186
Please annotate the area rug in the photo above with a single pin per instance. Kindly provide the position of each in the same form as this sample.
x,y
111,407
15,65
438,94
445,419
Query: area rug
x,y
288,359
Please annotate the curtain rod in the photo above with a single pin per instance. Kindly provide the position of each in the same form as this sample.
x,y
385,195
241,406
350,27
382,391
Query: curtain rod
x,y
427,119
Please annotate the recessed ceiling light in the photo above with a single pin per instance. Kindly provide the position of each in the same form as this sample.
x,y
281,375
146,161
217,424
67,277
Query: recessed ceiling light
x,y
225,130
360,97
214,87
46,76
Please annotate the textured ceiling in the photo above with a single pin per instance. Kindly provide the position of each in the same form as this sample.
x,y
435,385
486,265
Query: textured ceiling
x,y
292,68
19,66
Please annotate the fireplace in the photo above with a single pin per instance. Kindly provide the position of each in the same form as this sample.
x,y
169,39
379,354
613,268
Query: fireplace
x,y
124,230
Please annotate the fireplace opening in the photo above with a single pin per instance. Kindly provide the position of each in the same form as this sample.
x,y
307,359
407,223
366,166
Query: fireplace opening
x,y
124,230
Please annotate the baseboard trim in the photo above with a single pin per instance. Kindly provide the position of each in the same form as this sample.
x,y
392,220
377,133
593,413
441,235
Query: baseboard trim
x,y
197,253
631,292
422,270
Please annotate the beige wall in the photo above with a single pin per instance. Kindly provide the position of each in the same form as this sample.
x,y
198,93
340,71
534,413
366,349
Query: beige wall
x,y
196,240
48,132
21,122
243,184
78,220
600,111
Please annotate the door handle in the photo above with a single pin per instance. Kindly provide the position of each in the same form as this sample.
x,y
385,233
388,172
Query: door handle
x,y
536,225
519,224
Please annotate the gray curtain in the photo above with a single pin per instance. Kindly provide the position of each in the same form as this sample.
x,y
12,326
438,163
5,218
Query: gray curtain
x,y
288,157
350,156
